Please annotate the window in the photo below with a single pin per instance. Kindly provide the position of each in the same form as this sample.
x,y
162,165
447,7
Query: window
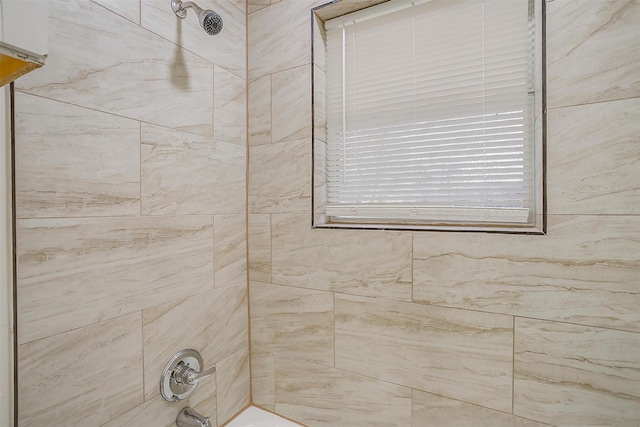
x,y
429,114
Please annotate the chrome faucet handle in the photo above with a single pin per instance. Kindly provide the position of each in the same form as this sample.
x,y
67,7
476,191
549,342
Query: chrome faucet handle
x,y
188,417
192,376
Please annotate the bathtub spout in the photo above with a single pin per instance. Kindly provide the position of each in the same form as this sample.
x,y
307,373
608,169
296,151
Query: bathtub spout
x,y
187,417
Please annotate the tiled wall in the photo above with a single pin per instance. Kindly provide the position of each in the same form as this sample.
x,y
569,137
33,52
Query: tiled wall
x,y
131,170
373,328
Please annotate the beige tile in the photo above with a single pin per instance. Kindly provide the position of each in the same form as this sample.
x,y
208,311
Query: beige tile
x,y
593,159
319,182
129,9
279,37
260,111
230,249
263,382
576,375
260,247
291,104
253,5
279,177
230,166
343,7
72,378
460,354
592,52
584,271
234,385
178,172
214,323
319,104
292,321
369,263
71,161
106,267
102,61
433,410
226,49
319,396
157,412
230,107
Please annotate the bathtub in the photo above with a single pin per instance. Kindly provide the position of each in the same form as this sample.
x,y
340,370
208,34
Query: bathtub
x,y
256,417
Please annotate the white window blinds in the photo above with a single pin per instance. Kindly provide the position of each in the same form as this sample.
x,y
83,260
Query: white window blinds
x,y
430,111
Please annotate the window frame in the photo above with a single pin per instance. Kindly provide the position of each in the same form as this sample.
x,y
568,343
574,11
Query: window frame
x,y
320,220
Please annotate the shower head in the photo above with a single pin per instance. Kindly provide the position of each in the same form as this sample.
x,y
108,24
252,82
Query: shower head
x,y
210,21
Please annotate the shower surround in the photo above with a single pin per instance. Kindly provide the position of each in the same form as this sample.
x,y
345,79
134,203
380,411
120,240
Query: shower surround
x,y
131,151
374,328
131,170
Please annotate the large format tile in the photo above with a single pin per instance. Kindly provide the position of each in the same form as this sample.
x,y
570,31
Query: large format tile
x,y
592,51
130,9
157,412
214,323
574,375
72,161
291,104
369,263
319,396
226,49
280,37
456,353
292,321
230,249
279,177
229,107
230,166
82,377
433,410
593,159
586,270
106,267
100,60
178,172
259,237
260,111
234,385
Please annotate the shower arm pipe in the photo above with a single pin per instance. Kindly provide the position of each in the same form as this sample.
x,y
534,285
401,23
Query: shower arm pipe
x,y
180,8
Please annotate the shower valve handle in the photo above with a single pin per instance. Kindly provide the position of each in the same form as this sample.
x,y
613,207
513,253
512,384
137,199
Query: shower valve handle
x,y
186,375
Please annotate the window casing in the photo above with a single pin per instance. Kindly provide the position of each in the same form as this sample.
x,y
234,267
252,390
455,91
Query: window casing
x,y
429,115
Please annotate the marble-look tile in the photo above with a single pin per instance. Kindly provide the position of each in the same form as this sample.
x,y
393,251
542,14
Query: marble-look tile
x,y
226,49
593,159
178,171
319,182
100,60
592,51
260,247
460,354
279,177
280,37
71,161
319,43
82,377
253,5
291,104
230,168
214,323
576,375
433,410
263,382
343,7
230,249
319,104
292,321
234,385
106,267
157,412
260,111
369,263
319,396
129,9
229,107
585,270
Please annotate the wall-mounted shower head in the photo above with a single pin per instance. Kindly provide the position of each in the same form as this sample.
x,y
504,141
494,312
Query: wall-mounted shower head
x,y
210,21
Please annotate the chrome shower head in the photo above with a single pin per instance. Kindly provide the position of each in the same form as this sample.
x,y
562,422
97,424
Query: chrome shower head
x,y
210,21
